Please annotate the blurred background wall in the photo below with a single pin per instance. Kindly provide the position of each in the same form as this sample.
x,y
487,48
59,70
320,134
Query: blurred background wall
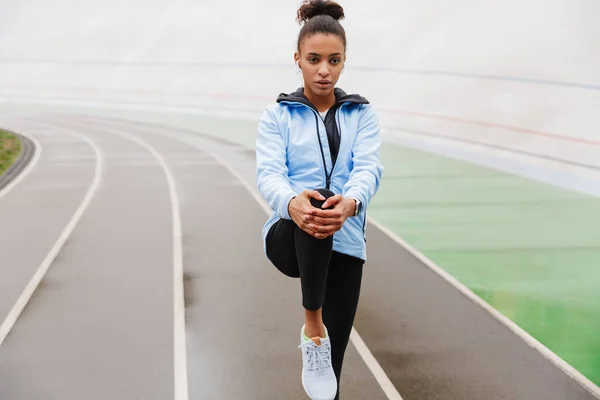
x,y
519,75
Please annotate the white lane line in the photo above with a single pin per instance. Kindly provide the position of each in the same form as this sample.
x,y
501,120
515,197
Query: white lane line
x,y
380,376
30,167
577,376
25,296
179,344
569,370
363,350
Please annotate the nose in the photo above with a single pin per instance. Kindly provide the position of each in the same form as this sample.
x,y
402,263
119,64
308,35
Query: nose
x,y
324,70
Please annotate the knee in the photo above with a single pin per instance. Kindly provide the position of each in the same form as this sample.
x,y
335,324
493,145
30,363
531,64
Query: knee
x,y
325,193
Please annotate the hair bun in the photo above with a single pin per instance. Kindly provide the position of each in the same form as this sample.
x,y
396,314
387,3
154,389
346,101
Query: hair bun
x,y
313,8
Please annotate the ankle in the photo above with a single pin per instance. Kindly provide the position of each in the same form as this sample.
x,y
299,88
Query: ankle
x,y
313,323
311,331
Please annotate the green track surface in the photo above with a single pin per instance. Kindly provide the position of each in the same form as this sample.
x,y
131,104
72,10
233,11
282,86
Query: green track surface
x,y
529,249
10,146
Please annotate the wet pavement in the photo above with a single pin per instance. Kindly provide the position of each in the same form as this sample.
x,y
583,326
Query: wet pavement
x,y
103,324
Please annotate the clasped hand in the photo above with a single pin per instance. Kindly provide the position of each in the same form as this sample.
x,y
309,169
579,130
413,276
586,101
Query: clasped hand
x,y
320,223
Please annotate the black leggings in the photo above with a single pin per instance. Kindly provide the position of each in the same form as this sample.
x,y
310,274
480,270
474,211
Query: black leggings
x,y
328,279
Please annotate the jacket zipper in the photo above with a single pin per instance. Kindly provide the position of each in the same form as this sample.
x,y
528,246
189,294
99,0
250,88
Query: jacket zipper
x,y
327,176
333,163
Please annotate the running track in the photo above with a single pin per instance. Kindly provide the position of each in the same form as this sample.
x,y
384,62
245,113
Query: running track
x,y
136,272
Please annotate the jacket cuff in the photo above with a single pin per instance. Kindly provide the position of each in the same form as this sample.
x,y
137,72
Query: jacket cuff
x,y
285,202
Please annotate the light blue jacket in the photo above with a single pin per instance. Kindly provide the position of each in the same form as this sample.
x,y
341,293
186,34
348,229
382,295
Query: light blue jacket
x,y
290,158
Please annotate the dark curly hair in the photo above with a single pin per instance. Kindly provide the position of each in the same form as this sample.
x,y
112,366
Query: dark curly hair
x,y
321,16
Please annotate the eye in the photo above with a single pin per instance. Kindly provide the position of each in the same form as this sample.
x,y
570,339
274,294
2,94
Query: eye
x,y
313,60
335,61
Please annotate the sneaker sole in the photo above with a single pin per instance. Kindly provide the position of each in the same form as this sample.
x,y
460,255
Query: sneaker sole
x,y
306,391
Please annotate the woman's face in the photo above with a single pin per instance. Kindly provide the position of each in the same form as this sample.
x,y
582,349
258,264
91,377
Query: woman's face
x,y
321,60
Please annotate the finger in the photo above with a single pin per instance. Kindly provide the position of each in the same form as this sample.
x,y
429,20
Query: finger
x,y
324,228
330,233
315,231
335,213
308,213
314,194
317,235
307,229
333,200
317,220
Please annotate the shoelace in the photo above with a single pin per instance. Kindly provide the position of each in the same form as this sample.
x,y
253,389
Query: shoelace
x,y
318,357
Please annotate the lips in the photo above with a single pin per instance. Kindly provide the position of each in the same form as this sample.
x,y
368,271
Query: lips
x,y
324,83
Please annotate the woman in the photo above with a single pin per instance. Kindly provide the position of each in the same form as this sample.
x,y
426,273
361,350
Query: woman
x,y
318,167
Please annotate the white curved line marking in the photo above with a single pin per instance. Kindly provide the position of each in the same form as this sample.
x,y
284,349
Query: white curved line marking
x,y
30,288
179,354
380,376
363,350
530,340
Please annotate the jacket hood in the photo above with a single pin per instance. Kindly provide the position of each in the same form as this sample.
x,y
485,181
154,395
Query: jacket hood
x,y
340,98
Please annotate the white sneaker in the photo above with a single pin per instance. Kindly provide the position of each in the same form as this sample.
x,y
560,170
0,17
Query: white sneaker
x,y
318,378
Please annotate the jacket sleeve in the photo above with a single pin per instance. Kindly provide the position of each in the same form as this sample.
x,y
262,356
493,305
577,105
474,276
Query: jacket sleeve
x,y
271,166
367,171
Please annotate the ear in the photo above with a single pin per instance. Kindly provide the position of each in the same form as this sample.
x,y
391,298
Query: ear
x,y
296,58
